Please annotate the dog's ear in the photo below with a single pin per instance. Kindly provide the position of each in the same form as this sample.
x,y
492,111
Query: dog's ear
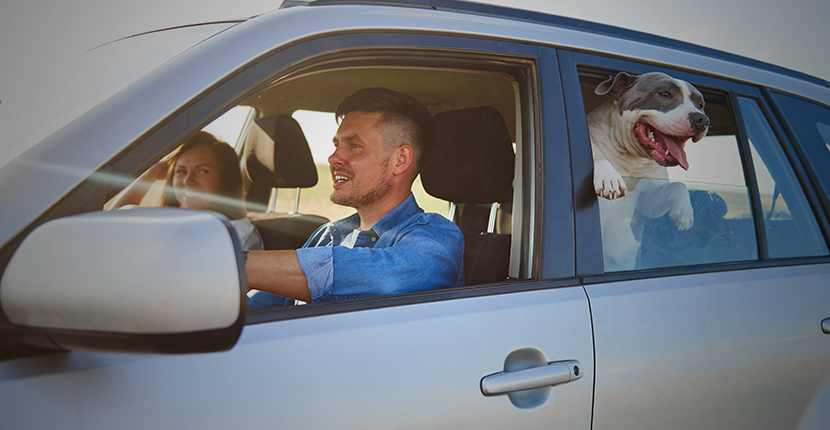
x,y
615,85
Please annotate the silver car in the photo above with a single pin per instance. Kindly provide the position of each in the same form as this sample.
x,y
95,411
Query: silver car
x,y
138,319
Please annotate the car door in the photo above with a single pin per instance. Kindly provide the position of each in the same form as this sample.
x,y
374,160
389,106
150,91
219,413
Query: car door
x,y
719,326
516,353
414,366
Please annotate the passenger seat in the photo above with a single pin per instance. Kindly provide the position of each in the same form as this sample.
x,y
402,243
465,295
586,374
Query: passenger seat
x,y
276,155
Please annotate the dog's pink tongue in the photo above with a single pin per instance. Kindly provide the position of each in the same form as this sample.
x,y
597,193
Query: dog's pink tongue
x,y
676,151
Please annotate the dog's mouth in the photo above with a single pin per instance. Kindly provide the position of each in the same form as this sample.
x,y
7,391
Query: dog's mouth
x,y
666,150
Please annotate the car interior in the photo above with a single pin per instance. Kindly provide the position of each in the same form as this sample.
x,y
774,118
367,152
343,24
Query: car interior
x,y
471,168
468,178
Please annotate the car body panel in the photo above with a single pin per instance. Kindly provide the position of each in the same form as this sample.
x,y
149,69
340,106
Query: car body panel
x,y
420,365
704,351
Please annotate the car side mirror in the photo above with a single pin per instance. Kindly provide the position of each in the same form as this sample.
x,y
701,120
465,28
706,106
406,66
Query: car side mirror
x,y
158,280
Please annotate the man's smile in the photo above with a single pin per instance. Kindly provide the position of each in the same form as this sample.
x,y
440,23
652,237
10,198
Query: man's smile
x,y
340,179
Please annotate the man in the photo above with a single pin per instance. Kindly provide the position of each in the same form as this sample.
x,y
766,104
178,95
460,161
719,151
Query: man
x,y
390,246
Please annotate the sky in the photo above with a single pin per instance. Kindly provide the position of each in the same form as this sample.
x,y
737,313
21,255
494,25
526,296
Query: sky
x,y
38,36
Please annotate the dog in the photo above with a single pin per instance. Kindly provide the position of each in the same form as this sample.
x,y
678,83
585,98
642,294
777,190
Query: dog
x,y
638,133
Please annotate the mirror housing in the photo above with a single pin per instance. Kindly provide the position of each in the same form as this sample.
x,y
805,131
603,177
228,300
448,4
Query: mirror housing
x,y
159,280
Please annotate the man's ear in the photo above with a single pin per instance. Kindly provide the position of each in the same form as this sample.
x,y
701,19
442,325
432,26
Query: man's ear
x,y
403,159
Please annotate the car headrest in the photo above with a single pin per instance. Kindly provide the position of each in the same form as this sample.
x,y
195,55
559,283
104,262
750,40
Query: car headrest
x,y
276,155
472,161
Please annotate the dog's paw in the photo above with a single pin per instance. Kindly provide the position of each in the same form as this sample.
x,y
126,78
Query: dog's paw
x,y
681,212
608,183
683,220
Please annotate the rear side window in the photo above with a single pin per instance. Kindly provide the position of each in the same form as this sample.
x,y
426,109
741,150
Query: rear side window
x,y
722,229
744,199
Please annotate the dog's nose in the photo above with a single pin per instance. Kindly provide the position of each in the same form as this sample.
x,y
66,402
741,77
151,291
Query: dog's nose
x,y
699,121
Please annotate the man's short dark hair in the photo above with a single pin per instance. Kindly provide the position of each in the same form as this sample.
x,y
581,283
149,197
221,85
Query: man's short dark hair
x,y
407,114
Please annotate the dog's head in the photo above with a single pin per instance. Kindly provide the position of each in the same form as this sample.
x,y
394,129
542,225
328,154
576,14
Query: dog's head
x,y
660,113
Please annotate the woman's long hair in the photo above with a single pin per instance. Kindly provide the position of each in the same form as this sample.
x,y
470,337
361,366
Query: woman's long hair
x,y
228,199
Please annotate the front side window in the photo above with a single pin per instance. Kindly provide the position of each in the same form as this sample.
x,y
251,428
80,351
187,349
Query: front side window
x,y
283,134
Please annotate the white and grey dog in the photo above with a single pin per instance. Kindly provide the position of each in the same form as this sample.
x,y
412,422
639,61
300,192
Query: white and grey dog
x,y
638,133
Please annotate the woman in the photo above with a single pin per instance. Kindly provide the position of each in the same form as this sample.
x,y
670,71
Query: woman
x,y
201,174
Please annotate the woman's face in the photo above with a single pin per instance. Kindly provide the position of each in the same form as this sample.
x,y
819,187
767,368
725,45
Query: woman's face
x,y
196,178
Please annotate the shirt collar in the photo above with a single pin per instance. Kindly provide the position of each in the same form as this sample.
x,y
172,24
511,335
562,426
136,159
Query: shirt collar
x,y
401,212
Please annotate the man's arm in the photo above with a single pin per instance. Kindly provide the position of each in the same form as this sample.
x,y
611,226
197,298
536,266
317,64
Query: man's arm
x,y
277,272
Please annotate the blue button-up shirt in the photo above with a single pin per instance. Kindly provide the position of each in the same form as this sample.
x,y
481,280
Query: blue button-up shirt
x,y
405,251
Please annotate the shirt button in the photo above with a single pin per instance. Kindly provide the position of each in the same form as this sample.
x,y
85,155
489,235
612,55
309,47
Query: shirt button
x,y
374,239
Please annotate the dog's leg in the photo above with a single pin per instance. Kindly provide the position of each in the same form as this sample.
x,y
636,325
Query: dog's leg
x,y
680,210
657,198
608,182
620,242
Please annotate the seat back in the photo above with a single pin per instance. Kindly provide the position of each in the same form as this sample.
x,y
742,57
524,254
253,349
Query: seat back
x,y
472,165
276,155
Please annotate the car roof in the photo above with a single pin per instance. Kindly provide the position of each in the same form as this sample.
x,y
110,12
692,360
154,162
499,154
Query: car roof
x,y
567,23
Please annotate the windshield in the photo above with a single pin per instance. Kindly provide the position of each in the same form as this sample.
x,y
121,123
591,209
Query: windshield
x,y
33,113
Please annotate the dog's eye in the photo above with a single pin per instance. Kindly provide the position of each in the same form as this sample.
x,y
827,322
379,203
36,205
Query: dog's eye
x,y
664,94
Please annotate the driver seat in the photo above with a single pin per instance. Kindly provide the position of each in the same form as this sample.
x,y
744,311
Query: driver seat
x,y
472,167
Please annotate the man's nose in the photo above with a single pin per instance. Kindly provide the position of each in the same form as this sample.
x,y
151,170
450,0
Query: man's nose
x,y
335,158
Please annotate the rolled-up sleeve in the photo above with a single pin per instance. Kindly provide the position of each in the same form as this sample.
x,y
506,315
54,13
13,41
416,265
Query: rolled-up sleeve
x,y
316,264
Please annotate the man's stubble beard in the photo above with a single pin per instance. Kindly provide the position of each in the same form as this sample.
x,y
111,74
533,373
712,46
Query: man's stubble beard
x,y
367,198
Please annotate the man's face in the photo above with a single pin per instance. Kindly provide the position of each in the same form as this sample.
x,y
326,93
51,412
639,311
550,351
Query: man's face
x,y
360,162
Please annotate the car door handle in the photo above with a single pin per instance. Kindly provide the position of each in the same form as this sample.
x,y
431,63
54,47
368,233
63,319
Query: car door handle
x,y
554,373
825,326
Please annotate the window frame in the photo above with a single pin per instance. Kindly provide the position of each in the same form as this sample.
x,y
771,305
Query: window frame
x,y
589,247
